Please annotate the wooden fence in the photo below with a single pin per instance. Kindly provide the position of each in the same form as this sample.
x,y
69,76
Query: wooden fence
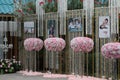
x,y
68,62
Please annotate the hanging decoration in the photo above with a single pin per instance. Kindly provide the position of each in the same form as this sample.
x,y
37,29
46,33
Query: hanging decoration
x,y
54,44
29,8
12,26
62,8
74,4
40,12
50,6
3,26
24,9
101,3
82,44
31,44
111,50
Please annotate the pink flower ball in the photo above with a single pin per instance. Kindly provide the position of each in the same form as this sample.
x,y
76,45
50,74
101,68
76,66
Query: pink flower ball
x,y
82,44
111,50
54,44
31,44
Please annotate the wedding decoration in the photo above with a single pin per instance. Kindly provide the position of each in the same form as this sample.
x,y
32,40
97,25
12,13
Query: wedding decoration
x,y
101,3
54,44
25,8
74,4
82,44
9,65
6,46
111,50
31,44
50,6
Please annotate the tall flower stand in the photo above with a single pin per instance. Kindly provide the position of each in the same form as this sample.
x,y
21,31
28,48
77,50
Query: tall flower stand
x,y
83,45
32,45
53,45
112,51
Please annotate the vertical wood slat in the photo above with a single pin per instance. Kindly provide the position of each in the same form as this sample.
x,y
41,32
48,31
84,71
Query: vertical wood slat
x,y
97,44
119,41
93,52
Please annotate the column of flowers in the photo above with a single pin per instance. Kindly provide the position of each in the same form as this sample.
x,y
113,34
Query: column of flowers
x,y
54,44
84,45
32,44
112,51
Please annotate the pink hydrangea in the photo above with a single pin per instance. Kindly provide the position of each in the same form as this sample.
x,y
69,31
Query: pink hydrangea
x,y
31,44
54,44
82,44
111,50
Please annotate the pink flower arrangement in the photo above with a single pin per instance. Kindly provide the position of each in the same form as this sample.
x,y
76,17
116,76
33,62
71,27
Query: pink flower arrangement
x,y
54,44
82,44
111,50
31,44
8,65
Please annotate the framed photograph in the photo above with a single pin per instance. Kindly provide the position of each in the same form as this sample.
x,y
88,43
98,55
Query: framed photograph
x,y
29,27
101,3
104,27
74,24
74,4
51,28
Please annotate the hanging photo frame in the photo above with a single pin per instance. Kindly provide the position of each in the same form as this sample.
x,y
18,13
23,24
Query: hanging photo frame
x,y
29,27
101,3
104,27
51,28
75,24
74,4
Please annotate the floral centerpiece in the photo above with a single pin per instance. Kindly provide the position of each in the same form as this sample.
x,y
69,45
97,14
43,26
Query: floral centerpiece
x,y
33,44
54,44
111,50
9,65
82,44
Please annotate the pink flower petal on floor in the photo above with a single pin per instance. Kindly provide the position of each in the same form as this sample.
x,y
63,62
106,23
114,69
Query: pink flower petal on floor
x,y
47,75
83,78
30,73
